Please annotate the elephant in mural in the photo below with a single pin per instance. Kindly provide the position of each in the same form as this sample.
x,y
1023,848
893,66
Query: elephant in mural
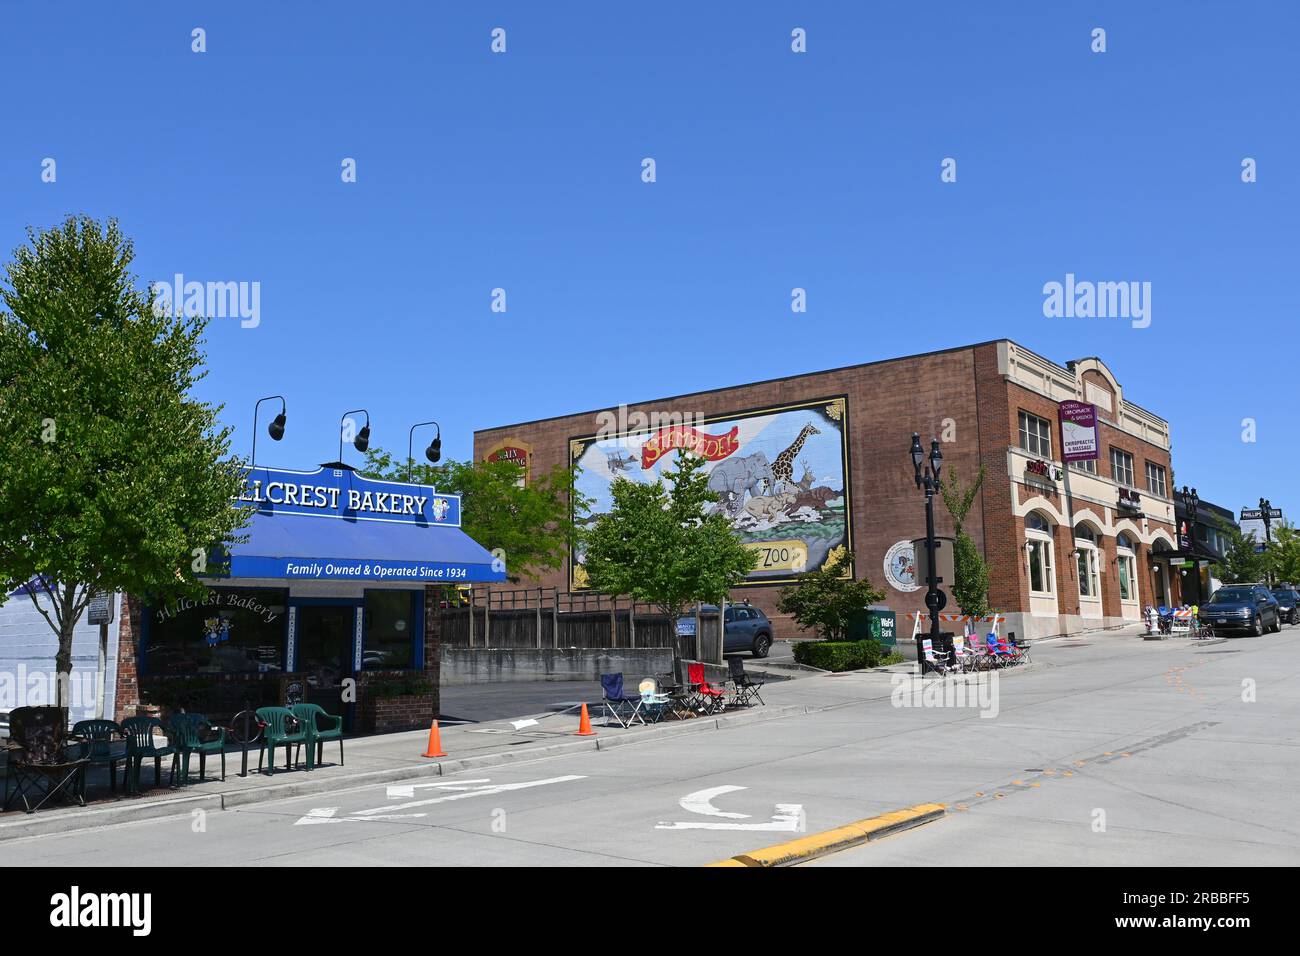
x,y
732,477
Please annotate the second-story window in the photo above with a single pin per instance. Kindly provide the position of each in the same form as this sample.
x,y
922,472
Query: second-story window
x,y
1121,467
1156,479
1035,435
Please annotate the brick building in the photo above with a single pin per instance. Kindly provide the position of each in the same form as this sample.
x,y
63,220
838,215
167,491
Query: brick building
x,y
809,464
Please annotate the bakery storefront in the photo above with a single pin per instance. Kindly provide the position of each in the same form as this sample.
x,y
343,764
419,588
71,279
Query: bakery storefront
x,y
330,599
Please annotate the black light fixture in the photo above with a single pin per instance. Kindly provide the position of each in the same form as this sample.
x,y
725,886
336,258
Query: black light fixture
x,y
935,599
275,429
362,440
433,452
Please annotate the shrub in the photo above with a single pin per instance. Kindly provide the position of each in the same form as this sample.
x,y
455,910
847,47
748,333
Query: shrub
x,y
843,655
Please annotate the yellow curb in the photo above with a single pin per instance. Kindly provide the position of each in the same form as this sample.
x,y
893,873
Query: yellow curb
x,y
840,838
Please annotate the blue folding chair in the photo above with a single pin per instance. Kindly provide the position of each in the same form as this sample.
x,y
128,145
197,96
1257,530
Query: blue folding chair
x,y
624,709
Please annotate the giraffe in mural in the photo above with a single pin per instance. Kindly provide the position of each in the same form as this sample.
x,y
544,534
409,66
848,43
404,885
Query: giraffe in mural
x,y
783,467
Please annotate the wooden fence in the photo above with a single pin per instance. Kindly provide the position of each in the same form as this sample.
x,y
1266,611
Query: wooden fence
x,y
550,618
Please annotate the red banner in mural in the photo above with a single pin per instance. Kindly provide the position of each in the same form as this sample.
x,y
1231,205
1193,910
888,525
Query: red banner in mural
x,y
712,447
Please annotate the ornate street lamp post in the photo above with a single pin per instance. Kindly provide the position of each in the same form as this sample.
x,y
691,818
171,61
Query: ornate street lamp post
x,y
927,477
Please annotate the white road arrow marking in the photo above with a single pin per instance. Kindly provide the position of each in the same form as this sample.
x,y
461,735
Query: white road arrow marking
x,y
408,790
787,817
472,792
700,802
318,815
326,815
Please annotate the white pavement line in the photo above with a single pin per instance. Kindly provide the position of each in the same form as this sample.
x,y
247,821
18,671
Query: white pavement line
x,y
408,790
478,792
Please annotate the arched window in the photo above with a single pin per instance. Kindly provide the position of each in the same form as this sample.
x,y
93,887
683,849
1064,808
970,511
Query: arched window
x,y
1038,542
1126,565
1124,542
1089,565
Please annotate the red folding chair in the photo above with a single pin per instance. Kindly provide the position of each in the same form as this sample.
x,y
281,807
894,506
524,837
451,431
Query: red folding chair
x,y
710,698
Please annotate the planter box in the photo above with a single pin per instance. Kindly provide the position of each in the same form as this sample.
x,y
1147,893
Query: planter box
x,y
389,714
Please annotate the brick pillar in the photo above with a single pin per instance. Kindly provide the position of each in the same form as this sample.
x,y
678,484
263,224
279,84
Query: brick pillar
x,y
127,697
1110,599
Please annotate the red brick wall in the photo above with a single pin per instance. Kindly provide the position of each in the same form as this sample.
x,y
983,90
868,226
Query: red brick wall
x,y
887,401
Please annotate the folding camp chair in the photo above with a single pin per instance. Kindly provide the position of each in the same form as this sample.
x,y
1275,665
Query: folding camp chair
x,y
1003,653
964,659
44,762
746,687
1021,648
709,698
679,695
654,702
936,660
625,710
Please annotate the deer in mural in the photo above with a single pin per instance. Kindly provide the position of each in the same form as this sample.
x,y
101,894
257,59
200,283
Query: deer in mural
x,y
805,482
783,467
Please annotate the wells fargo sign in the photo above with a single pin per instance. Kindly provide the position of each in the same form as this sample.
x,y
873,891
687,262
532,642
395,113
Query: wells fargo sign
x,y
711,447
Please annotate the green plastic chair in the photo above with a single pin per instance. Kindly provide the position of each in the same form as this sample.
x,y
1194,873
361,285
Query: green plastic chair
x,y
141,744
194,735
97,740
321,727
281,727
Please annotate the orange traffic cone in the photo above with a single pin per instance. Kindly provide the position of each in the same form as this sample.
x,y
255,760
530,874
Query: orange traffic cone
x,y
435,743
584,725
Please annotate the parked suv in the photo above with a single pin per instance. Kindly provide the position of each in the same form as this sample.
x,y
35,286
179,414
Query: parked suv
x,y
1288,603
1242,607
746,628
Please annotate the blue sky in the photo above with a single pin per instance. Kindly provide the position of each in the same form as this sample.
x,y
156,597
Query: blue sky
x,y
775,170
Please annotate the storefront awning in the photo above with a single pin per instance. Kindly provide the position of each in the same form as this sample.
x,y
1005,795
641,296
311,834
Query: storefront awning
x,y
305,547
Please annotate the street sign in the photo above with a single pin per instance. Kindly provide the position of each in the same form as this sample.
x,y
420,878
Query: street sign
x,y
100,609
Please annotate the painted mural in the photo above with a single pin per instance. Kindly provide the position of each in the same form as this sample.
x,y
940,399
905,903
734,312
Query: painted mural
x,y
779,476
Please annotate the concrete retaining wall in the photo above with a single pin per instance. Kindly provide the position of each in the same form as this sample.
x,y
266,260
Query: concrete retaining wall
x,y
473,665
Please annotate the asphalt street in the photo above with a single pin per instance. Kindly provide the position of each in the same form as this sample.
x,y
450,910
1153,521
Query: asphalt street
x,y
1107,750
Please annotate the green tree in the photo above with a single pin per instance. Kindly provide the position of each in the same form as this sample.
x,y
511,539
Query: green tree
x,y
971,572
114,478
530,525
666,545
826,601
1242,564
1282,558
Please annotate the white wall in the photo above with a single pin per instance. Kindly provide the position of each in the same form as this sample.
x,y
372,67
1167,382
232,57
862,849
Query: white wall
x,y
27,649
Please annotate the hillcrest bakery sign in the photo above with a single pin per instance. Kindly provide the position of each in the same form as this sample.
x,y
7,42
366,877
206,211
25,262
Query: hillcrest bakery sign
x,y
344,494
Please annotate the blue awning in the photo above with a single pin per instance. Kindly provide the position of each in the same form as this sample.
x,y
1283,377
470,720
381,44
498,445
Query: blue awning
x,y
303,547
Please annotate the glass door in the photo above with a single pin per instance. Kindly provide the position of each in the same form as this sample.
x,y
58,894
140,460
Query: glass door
x,y
325,653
